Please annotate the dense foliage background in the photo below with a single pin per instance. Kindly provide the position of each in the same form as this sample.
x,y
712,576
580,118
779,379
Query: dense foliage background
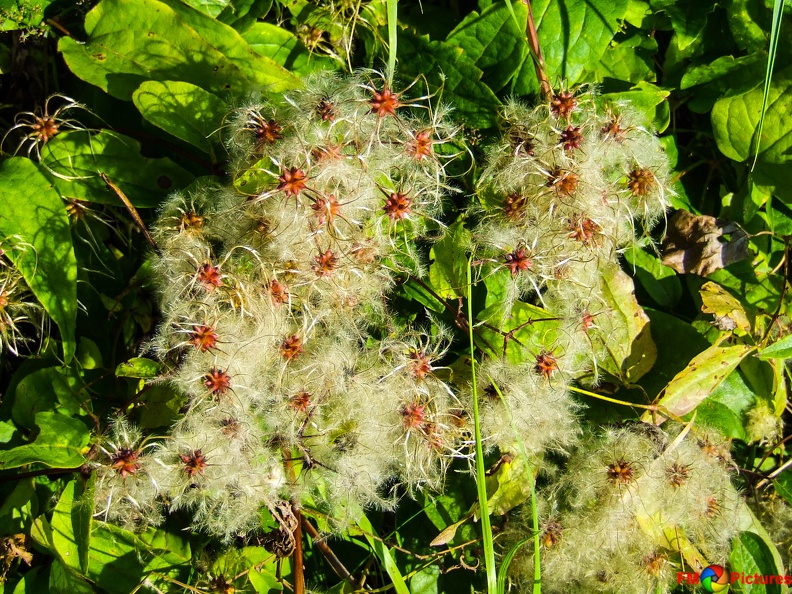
x,y
154,81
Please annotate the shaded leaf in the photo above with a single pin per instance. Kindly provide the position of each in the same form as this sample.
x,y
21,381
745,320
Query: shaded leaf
x,y
494,42
660,281
699,379
181,109
45,389
34,213
750,555
783,485
446,66
64,579
60,443
77,158
693,244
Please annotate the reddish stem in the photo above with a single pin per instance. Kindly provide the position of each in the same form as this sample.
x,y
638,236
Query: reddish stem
x,y
538,58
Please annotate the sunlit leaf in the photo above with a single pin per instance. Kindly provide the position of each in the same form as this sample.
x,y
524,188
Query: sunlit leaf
x,y
34,213
61,443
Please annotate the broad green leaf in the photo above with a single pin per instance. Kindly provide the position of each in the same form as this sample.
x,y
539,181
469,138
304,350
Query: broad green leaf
x,y
771,559
181,109
629,59
648,101
494,42
130,41
264,582
243,14
412,290
208,7
88,354
162,403
728,310
446,66
524,331
448,271
509,487
688,20
722,69
64,579
77,158
629,340
282,47
34,581
700,378
71,525
750,555
783,485
661,282
46,389
573,34
35,214
735,120
781,349
61,443
725,408
138,367
116,559
19,508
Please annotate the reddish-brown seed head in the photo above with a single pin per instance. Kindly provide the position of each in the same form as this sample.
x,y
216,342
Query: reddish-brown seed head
x,y
203,337
385,102
563,104
194,463
325,264
571,138
518,261
291,347
217,381
420,364
209,276
292,181
640,181
300,402
267,131
420,145
278,291
125,461
398,206
413,415
546,364
326,209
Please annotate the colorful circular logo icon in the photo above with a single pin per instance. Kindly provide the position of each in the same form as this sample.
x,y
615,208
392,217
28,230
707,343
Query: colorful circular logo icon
x,y
714,579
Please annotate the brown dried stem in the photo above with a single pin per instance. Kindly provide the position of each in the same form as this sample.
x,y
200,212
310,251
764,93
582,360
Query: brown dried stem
x,y
536,53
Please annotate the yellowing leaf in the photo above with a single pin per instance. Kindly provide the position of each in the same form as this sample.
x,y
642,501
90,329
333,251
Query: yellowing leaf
x,y
699,379
728,311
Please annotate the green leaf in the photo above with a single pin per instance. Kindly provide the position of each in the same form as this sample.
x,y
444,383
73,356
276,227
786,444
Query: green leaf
x,y
282,47
34,581
688,20
138,367
34,213
726,308
573,34
735,120
783,485
750,555
77,158
60,444
509,487
264,582
19,508
46,389
130,41
448,271
532,326
725,408
781,349
494,42
648,101
700,378
661,282
116,559
64,579
181,109
71,525
631,348
208,7
629,59
446,66
161,405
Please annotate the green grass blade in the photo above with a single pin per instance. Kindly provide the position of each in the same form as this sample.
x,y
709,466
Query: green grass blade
x,y
392,18
384,555
537,587
486,528
775,30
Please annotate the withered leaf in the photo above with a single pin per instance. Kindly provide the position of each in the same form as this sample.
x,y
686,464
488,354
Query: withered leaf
x,y
696,244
